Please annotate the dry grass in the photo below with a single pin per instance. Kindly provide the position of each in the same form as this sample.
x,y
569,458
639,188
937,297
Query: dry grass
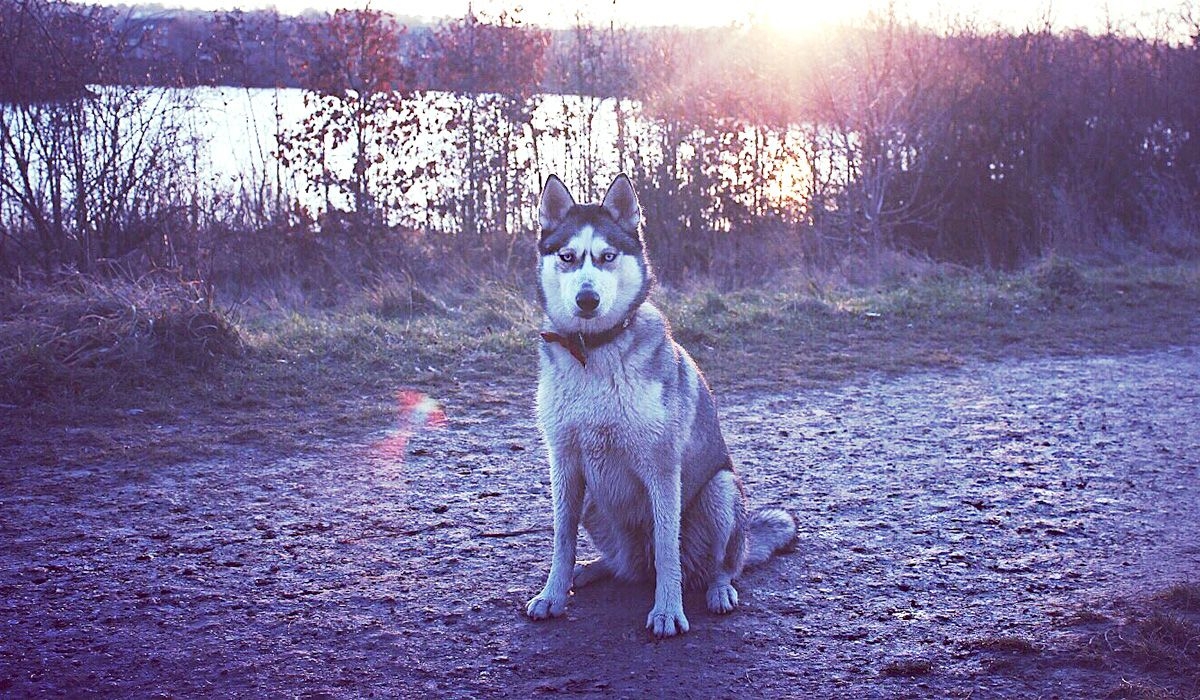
x,y
1008,645
79,350
801,332
1184,597
1156,652
1163,640
1141,690
395,296
79,329
1083,616
1058,279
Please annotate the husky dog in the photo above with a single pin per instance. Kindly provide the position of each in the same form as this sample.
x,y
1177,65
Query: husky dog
x,y
636,453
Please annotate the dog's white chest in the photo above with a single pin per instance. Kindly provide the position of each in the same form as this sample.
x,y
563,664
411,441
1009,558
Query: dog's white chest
x,y
604,398
614,421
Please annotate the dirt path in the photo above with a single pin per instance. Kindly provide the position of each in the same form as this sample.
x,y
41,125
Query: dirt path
x,y
964,533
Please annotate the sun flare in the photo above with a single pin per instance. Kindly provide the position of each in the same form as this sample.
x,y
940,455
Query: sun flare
x,y
789,17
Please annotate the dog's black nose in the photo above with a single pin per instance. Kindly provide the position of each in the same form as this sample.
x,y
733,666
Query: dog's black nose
x,y
587,300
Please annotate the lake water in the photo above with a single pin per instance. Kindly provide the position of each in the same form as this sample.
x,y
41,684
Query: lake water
x,y
419,166
238,131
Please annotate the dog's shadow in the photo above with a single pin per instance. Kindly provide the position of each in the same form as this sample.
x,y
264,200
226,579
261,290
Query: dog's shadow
x,y
618,610
601,646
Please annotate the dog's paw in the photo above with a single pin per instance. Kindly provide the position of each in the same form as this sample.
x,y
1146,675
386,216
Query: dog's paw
x,y
667,620
545,605
722,598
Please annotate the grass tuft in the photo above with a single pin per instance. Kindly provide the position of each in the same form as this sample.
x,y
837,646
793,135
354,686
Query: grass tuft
x,y
1182,596
396,298
1009,645
1164,640
81,330
1157,652
1059,279
1140,690
909,668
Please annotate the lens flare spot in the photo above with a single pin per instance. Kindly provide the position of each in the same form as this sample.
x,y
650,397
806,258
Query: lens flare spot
x,y
415,411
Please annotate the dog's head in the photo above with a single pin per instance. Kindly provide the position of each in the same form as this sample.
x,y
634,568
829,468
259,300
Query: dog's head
x,y
593,271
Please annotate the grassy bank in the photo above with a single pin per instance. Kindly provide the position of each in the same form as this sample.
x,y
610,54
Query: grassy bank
x,y
159,371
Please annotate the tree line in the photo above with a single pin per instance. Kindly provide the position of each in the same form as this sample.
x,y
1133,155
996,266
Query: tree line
x,y
750,149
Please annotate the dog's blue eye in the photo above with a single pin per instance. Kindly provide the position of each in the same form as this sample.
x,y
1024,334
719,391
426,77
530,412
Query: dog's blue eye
x,y
608,257
567,256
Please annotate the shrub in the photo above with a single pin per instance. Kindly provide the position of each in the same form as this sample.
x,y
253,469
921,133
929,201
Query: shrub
x,y
79,332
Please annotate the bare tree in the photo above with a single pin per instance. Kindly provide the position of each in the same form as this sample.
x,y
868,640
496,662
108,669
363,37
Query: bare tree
x,y
88,172
885,106
494,68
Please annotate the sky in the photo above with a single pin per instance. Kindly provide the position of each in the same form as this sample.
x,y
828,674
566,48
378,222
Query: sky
x,y
1146,16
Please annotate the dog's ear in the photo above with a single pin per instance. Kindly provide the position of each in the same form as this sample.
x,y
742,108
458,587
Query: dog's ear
x,y
556,201
622,205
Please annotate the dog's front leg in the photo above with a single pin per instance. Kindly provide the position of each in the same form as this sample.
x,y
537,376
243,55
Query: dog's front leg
x,y
666,618
566,491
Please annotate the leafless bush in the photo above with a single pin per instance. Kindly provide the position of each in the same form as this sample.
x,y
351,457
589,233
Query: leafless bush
x,y
91,171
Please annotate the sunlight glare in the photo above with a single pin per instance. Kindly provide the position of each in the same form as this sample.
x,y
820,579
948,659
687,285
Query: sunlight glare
x,y
794,17
415,412
799,17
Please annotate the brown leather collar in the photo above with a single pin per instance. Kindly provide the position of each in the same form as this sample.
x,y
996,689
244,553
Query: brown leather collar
x,y
579,343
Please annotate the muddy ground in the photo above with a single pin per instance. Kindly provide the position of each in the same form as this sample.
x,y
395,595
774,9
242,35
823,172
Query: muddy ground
x,y
981,531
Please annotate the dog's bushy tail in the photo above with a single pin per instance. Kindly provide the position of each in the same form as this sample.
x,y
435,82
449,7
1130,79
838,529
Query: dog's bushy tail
x,y
770,530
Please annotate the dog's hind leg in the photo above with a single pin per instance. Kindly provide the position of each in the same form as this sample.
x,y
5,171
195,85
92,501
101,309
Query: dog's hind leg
x,y
600,530
623,551
589,572
715,540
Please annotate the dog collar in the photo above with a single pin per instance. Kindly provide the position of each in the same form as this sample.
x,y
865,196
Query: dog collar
x,y
579,343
